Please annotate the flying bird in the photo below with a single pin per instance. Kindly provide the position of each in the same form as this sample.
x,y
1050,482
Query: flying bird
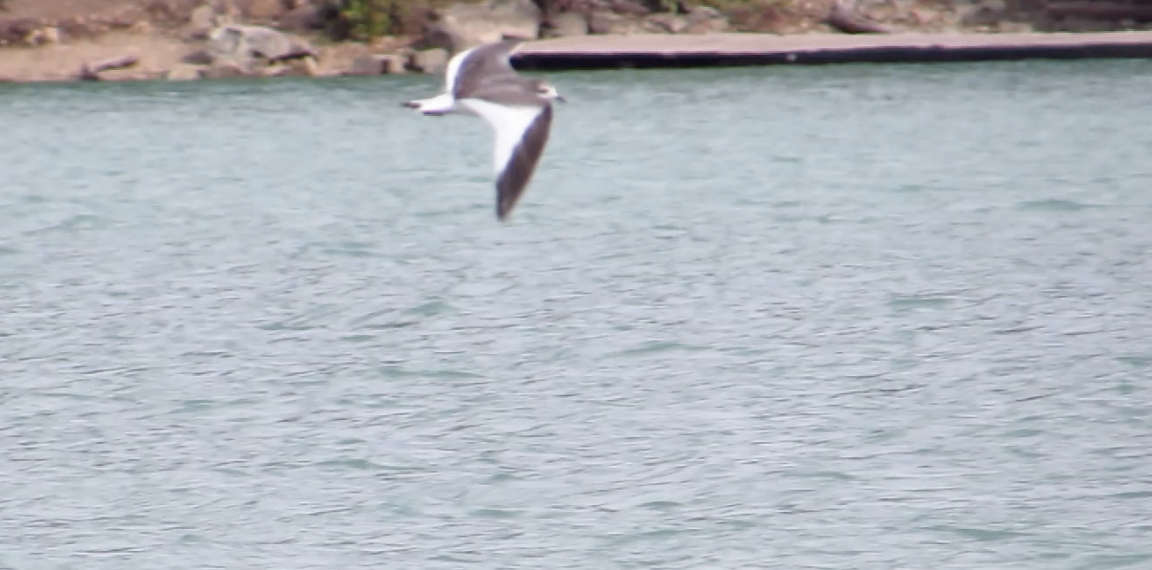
x,y
480,81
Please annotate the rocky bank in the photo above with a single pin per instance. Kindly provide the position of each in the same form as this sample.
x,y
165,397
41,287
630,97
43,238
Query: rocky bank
x,y
54,40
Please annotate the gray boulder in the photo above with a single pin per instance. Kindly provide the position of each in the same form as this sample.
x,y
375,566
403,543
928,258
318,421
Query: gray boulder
x,y
244,45
465,25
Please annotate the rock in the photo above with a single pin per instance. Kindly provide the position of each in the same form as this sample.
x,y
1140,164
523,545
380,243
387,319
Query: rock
x,y
50,35
260,9
165,11
74,28
224,70
303,67
847,19
184,73
42,36
202,21
429,61
1006,27
243,44
377,64
609,23
91,72
465,25
705,19
306,66
198,57
704,13
564,25
665,23
143,27
584,7
302,18
986,13
395,64
203,16
368,65
13,32
628,7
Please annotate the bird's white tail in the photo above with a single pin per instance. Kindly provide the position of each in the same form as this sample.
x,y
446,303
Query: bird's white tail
x,y
438,105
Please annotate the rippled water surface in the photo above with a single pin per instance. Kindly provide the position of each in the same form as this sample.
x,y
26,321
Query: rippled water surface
x,y
844,317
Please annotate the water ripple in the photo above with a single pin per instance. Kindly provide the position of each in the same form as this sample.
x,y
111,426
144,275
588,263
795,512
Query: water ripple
x,y
715,336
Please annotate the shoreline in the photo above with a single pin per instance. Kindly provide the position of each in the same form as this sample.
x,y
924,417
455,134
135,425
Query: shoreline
x,y
118,40
727,49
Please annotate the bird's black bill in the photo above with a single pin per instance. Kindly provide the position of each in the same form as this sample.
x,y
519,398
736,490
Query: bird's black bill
x,y
561,99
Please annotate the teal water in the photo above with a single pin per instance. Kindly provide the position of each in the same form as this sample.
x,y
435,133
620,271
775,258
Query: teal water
x,y
846,317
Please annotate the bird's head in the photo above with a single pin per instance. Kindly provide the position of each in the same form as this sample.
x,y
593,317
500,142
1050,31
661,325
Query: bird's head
x,y
547,91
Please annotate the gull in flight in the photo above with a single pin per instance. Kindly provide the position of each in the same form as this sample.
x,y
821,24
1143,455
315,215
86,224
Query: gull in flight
x,y
480,81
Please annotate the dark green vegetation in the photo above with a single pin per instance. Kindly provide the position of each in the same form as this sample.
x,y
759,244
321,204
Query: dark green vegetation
x,y
364,20
367,19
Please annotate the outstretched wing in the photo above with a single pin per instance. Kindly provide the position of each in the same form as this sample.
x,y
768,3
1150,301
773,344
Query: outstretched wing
x,y
476,65
521,134
517,173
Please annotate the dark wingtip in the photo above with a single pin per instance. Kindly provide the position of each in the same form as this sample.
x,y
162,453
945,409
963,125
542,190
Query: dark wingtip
x,y
504,212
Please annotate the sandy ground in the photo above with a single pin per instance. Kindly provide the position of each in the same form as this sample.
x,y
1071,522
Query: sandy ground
x,y
160,47
158,53
63,61
52,9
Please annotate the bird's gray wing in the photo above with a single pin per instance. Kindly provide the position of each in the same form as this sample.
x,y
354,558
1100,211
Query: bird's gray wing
x,y
508,90
483,63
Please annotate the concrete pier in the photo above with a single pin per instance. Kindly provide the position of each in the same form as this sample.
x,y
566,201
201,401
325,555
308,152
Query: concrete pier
x,y
735,49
